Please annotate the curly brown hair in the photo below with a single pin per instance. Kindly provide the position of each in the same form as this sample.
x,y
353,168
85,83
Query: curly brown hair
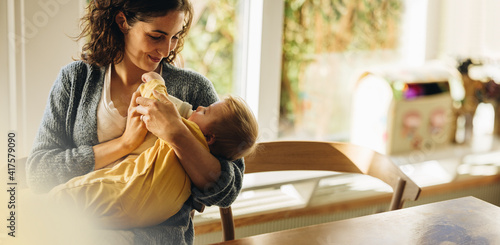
x,y
106,44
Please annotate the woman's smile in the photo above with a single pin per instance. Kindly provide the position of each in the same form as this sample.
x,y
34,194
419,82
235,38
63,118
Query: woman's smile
x,y
148,43
155,59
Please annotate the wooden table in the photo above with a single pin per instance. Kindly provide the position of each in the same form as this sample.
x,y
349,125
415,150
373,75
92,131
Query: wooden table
x,y
465,220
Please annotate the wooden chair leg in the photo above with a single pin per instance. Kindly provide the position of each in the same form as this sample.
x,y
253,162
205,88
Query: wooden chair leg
x,y
396,202
226,215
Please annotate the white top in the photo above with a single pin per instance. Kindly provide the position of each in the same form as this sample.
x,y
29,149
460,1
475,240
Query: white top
x,y
110,124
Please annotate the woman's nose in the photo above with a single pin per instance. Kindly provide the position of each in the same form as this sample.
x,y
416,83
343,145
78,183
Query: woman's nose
x,y
163,52
165,49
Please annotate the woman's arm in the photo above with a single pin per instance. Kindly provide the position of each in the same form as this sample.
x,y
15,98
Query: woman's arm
x,y
55,157
198,90
201,166
66,144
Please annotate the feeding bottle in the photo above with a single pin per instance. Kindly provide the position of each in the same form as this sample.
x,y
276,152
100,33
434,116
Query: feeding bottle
x,y
185,109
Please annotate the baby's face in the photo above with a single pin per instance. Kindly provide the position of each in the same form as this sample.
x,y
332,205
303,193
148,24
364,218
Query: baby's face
x,y
146,77
204,117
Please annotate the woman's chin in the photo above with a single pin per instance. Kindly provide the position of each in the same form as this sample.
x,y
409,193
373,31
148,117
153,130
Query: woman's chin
x,y
149,67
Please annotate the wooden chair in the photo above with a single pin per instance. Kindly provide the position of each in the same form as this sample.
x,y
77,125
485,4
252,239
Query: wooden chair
x,y
326,156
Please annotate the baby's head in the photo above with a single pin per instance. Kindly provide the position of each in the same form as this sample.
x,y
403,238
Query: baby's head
x,y
229,126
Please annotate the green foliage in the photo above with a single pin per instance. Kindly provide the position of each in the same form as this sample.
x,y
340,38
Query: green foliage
x,y
208,48
311,27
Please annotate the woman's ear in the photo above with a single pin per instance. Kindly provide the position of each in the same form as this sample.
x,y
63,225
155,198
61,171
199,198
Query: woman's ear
x,y
210,138
121,21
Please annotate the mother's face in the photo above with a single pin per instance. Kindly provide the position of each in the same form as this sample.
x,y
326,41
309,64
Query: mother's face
x,y
147,43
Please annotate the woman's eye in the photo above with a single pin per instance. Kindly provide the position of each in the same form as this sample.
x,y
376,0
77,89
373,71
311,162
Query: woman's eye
x,y
174,40
155,37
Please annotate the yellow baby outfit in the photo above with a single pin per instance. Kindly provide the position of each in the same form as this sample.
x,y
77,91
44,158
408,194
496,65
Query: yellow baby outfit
x,y
140,191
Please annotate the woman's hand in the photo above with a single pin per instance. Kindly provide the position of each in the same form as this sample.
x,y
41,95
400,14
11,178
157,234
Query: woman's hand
x,y
135,130
160,116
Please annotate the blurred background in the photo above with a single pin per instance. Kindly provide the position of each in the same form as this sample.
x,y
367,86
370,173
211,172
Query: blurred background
x,y
295,61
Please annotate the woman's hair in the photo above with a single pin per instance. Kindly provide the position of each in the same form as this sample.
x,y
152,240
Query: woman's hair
x,y
106,44
236,131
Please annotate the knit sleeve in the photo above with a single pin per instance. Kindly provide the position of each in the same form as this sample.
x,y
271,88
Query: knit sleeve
x,y
54,158
198,90
225,190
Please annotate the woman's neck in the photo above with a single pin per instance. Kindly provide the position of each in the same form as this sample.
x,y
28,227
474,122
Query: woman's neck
x,y
129,75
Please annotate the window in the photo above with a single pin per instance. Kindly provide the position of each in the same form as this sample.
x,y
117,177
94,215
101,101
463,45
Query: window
x,y
210,46
250,57
326,45
260,50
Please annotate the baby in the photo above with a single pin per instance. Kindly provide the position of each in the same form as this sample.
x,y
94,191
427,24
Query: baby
x,y
147,189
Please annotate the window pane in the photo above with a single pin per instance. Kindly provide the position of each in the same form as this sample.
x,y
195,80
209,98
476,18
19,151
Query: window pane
x,y
326,45
208,48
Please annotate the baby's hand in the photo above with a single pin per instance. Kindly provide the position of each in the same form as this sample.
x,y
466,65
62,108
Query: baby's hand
x,y
146,77
147,87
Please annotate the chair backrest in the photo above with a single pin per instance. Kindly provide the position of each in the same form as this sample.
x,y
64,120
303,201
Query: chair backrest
x,y
326,156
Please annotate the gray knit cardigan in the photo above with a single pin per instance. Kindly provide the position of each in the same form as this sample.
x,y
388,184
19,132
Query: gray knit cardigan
x,y
63,145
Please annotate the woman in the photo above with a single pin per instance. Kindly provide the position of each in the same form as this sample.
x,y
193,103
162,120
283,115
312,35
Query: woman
x,y
94,118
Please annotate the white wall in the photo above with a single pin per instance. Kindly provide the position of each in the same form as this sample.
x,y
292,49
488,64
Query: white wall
x,y
38,50
4,77
470,28
414,32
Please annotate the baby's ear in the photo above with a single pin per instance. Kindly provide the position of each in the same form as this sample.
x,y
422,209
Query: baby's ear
x,y
210,138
